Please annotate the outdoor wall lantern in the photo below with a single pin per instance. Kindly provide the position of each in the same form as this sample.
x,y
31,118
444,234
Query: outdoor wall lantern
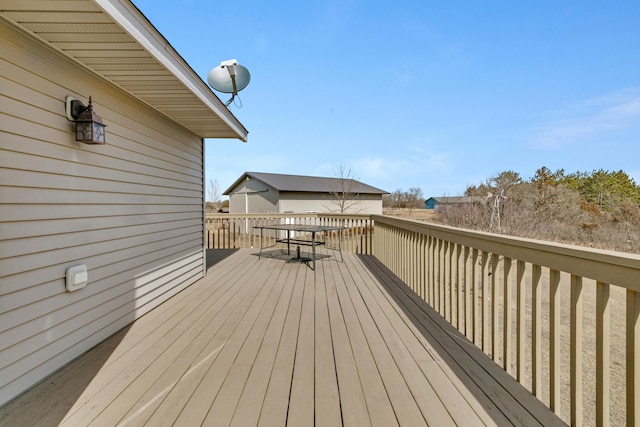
x,y
89,126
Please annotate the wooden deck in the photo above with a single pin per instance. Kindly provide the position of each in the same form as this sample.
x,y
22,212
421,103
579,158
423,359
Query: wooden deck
x,y
266,342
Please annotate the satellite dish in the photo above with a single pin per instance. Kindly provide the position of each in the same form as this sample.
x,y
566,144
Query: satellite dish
x,y
229,77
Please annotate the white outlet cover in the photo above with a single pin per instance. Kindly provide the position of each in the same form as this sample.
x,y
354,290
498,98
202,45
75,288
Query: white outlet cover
x,y
77,277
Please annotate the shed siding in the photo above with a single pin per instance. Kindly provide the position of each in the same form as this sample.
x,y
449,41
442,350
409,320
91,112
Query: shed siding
x,y
322,202
131,210
260,198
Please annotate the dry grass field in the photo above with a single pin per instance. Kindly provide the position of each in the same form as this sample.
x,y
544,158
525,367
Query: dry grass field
x,y
426,215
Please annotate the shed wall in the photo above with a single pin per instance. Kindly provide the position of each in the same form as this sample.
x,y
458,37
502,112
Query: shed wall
x,y
324,203
131,210
253,197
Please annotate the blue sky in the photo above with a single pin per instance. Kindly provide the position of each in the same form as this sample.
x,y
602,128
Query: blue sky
x,y
436,95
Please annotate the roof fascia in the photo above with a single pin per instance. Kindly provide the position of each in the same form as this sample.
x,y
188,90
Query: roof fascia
x,y
138,27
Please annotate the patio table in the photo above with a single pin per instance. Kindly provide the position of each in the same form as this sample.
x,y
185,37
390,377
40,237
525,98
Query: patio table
x,y
301,228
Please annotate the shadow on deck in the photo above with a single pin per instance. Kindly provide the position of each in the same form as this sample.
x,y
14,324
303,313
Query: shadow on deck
x,y
266,342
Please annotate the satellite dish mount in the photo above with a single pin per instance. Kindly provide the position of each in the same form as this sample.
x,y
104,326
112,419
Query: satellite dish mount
x,y
229,77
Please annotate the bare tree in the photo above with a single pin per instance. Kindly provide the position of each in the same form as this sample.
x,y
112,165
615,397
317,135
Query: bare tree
x,y
214,191
398,199
414,198
343,194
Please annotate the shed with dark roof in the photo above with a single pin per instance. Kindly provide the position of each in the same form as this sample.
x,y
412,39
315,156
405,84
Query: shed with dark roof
x,y
257,192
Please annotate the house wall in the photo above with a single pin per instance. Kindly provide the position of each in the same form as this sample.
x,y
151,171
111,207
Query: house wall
x,y
131,210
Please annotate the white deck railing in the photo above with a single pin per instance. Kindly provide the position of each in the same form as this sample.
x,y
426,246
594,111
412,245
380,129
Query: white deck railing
x,y
563,320
505,294
224,231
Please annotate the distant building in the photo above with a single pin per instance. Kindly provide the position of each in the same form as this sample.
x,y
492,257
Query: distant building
x,y
433,202
256,192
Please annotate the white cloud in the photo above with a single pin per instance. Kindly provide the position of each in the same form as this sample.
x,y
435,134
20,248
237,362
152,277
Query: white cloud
x,y
597,117
410,167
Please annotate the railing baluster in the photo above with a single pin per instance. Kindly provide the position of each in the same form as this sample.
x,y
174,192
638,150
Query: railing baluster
x,y
494,307
507,327
438,284
536,330
448,304
484,284
575,350
521,313
432,271
474,297
602,353
452,284
554,340
422,253
442,246
408,256
442,282
453,278
468,285
423,267
418,262
411,258
458,283
468,293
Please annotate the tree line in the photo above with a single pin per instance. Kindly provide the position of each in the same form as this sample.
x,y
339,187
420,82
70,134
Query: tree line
x,y
399,199
598,209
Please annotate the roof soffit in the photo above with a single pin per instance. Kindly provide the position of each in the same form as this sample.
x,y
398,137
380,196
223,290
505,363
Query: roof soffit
x,y
114,40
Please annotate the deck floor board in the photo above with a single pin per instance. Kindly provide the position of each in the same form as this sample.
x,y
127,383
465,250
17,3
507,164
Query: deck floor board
x,y
274,343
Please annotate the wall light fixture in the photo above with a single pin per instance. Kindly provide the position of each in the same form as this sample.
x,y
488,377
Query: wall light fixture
x,y
89,126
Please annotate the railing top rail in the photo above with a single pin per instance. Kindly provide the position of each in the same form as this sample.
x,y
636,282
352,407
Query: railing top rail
x,y
619,268
286,215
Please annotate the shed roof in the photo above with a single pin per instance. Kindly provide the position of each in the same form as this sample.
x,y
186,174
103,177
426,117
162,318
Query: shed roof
x,y
306,184
114,40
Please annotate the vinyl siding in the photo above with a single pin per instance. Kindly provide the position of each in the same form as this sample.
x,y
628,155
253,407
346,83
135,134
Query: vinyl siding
x,y
131,210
